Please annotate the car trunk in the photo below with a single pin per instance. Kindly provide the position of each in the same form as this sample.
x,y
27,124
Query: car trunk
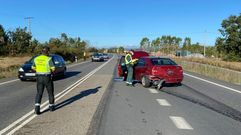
x,y
167,70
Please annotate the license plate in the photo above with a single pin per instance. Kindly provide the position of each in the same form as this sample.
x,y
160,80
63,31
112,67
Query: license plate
x,y
30,74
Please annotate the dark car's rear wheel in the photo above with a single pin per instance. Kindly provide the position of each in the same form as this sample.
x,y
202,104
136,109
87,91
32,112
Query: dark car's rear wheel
x,y
145,82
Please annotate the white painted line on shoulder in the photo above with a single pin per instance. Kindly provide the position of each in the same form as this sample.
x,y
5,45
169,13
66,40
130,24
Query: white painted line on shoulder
x,y
180,123
44,107
163,102
153,91
9,81
222,86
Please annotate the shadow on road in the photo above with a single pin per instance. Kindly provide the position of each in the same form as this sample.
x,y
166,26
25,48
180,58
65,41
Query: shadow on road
x,y
75,98
67,75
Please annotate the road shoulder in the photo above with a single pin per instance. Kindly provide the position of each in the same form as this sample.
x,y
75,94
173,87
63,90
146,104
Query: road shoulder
x,y
75,110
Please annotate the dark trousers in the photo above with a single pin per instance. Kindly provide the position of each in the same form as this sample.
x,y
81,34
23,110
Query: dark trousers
x,y
130,74
42,82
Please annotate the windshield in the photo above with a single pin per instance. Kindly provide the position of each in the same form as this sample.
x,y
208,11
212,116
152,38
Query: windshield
x,y
162,61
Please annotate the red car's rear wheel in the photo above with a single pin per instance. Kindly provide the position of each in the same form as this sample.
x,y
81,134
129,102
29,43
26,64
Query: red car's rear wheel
x,y
145,81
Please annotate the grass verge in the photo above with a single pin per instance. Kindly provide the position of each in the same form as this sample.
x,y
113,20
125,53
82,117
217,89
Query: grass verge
x,y
214,62
212,71
9,65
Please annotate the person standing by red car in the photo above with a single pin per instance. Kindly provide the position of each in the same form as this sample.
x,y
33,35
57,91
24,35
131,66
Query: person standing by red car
x,y
129,64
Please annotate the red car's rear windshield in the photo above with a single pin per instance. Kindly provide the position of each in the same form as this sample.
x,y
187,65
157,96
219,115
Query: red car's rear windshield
x,y
162,61
139,54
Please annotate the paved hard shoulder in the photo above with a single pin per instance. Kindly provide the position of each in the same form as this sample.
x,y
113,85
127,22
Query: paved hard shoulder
x,y
75,110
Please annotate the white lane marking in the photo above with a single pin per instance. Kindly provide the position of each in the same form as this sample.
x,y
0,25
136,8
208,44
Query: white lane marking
x,y
234,90
58,97
180,123
163,102
9,81
153,91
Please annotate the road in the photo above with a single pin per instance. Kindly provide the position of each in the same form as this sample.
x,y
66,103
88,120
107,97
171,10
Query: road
x,y
196,108
17,98
201,106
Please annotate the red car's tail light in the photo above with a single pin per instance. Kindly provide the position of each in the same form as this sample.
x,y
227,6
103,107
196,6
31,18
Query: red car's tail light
x,y
154,71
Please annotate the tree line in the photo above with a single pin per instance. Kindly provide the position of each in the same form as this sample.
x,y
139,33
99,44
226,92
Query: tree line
x,y
20,42
227,47
168,44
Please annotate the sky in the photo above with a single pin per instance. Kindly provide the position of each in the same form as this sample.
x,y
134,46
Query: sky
x,y
111,23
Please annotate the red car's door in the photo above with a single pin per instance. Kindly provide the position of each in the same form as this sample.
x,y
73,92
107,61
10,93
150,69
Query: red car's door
x,y
121,67
140,69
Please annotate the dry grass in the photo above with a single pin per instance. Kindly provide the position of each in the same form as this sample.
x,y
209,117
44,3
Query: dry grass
x,y
212,71
6,62
214,62
9,65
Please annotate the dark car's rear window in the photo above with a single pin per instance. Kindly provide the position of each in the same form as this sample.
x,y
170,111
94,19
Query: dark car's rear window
x,y
162,61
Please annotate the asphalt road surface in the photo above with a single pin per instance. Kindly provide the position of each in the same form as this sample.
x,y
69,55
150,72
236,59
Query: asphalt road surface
x,y
201,106
198,107
17,98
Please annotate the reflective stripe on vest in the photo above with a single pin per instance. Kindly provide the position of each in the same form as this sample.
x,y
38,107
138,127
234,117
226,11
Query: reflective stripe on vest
x,y
128,59
42,64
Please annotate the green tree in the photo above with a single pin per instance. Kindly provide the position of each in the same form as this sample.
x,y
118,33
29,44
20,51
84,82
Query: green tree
x,y
156,44
121,49
145,43
230,42
19,41
3,40
187,43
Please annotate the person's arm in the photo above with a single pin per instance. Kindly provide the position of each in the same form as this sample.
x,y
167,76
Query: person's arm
x,y
34,66
51,64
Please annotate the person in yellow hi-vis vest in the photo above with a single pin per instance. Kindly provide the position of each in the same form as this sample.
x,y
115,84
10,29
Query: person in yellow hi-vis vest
x,y
129,64
44,66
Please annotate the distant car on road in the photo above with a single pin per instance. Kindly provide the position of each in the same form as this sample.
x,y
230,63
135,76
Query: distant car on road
x,y
97,57
106,56
157,71
25,72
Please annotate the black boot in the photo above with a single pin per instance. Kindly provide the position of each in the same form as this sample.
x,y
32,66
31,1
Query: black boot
x,y
37,110
51,108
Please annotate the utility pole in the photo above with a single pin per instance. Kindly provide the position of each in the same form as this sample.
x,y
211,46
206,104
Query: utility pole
x,y
204,48
29,23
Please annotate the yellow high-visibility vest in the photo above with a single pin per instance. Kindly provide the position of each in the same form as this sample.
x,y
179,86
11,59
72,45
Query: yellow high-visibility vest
x,y
128,59
43,64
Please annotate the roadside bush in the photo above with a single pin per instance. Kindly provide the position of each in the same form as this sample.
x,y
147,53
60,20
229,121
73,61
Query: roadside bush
x,y
232,57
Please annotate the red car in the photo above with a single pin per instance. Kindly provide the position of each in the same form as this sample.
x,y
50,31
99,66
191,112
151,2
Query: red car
x,y
157,71
122,70
154,71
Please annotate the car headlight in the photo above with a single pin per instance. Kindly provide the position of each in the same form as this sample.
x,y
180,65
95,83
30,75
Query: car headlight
x,y
21,70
